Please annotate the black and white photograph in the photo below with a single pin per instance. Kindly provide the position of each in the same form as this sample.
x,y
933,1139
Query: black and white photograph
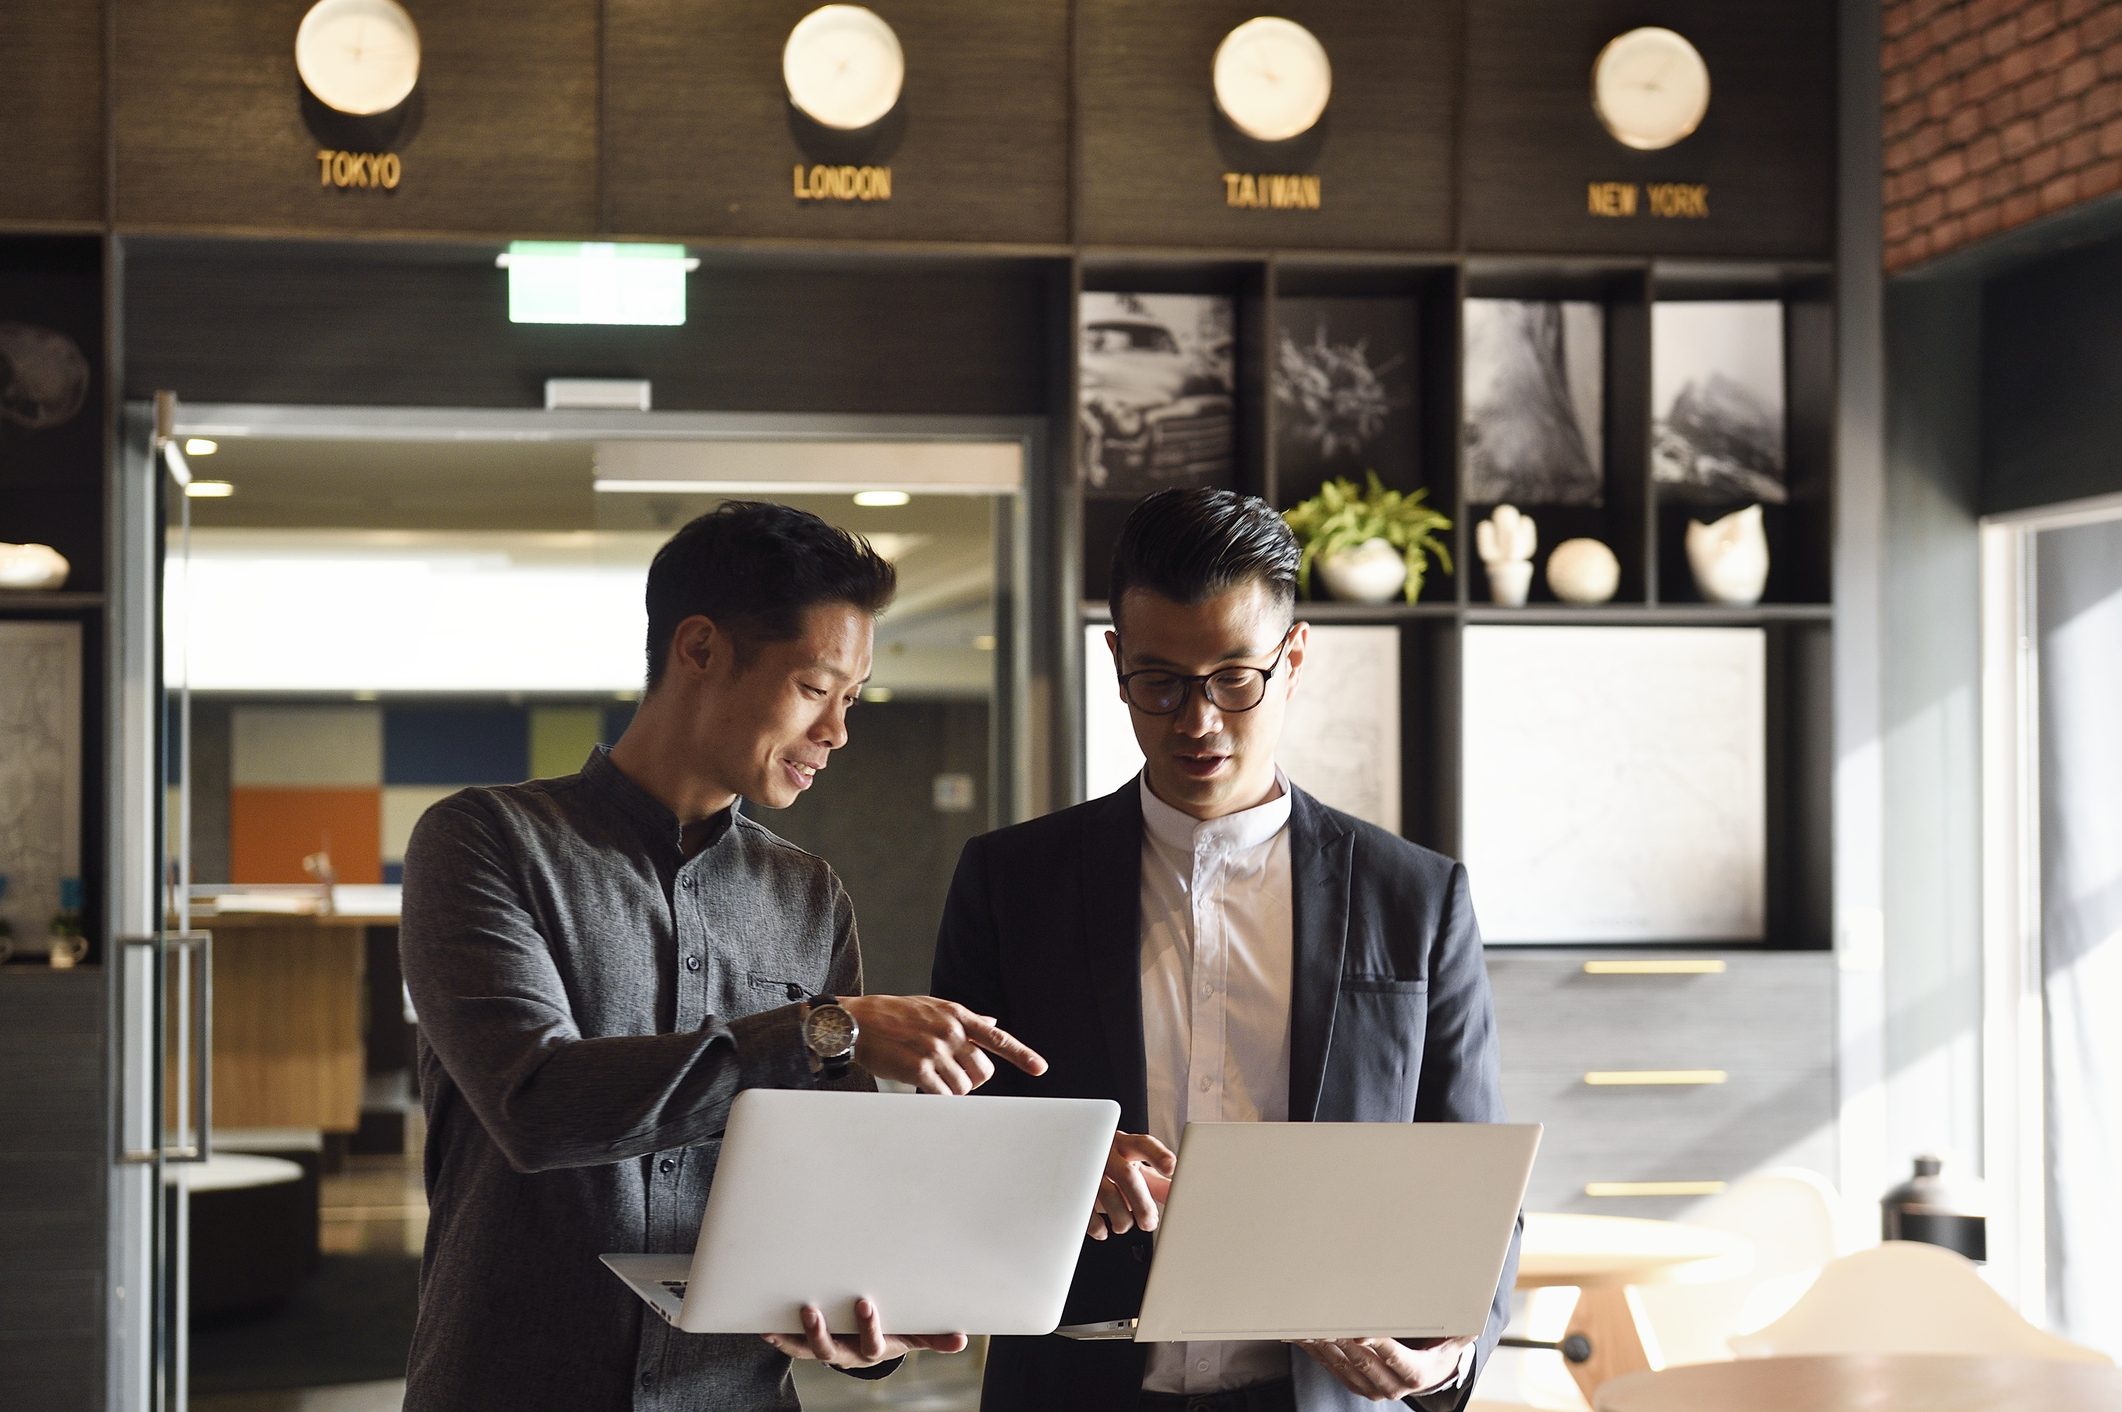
x,y
1716,389
1535,402
1344,388
1156,381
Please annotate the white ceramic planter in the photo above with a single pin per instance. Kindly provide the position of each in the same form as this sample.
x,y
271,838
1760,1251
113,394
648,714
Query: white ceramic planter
x,y
1372,572
1508,583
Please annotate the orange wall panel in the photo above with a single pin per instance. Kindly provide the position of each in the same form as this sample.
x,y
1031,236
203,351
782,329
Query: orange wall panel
x,y
272,830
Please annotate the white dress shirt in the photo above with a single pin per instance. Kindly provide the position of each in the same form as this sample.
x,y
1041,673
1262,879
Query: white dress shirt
x,y
1217,960
1216,963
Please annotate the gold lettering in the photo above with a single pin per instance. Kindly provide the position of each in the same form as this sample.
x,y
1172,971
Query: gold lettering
x,y
1611,198
1682,200
841,183
392,170
324,166
1272,191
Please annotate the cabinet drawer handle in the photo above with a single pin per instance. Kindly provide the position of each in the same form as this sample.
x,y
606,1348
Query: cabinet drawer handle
x,y
1697,967
1653,1188
1654,1078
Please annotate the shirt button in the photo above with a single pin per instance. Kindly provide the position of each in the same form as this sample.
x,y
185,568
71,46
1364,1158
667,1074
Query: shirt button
x,y
1205,1084
1207,988
796,992
1202,1366
648,1380
692,963
667,1166
691,883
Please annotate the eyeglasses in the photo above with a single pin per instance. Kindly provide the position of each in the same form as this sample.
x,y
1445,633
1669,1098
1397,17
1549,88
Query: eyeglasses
x,y
1155,692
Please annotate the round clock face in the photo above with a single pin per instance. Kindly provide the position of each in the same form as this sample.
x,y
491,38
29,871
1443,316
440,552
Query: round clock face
x,y
843,66
1272,79
358,56
1650,87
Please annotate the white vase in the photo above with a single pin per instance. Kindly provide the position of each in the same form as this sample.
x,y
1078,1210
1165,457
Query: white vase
x,y
1372,572
1509,582
1729,557
1583,571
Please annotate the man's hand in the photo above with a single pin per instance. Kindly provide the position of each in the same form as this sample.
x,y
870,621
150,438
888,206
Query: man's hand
x,y
1138,1177
938,1046
869,1346
1384,1369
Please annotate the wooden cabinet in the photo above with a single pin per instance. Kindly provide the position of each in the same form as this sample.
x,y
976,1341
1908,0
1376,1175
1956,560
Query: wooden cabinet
x,y
1693,1070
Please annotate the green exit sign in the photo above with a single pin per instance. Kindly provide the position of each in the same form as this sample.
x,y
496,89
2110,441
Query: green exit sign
x,y
595,282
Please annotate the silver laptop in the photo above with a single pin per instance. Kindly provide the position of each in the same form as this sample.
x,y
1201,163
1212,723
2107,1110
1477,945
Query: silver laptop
x,y
1332,1230
956,1215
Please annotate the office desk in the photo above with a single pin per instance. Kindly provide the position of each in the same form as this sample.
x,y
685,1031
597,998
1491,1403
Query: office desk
x,y
1868,1382
1603,1257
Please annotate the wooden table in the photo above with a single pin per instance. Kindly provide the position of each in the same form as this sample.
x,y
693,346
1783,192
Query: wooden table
x,y
1870,1383
1603,1257
287,1020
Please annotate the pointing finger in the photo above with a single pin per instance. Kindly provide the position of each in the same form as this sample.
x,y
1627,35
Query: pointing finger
x,y
983,1031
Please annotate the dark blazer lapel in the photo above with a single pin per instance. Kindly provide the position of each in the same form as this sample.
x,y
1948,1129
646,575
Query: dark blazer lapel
x,y
1111,885
1321,854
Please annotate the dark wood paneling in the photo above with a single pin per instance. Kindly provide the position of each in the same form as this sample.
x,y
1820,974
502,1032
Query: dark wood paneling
x,y
52,1187
700,137
394,326
500,135
51,110
1533,143
1154,147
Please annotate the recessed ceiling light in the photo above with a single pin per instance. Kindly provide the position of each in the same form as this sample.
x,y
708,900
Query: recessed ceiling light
x,y
882,499
201,446
210,489
985,642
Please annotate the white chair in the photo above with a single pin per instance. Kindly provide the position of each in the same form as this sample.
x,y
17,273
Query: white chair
x,y
1905,1297
1789,1217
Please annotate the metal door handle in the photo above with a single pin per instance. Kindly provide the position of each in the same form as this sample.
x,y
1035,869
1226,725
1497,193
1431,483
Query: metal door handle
x,y
197,986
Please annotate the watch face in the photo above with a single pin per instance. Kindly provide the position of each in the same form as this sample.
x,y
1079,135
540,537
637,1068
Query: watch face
x,y
830,1032
1650,87
358,56
1272,79
843,66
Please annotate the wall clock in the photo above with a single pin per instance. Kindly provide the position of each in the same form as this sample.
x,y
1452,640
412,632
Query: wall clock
x,y
1650,87
843,66
358,56
1272,78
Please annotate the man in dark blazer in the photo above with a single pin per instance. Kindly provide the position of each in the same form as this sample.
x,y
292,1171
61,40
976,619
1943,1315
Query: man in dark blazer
x,y
1210,943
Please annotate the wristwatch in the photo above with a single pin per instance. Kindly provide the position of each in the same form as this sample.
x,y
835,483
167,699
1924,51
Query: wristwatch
x,y
829,1036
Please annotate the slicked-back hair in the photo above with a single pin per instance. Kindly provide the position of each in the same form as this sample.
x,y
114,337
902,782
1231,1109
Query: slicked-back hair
x,y
1190,545
755,569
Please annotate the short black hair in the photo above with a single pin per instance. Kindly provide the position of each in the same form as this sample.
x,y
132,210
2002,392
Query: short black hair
x,y
1190,545
756,568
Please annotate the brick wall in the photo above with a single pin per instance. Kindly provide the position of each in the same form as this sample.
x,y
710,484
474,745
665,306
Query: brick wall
x,y
1996,112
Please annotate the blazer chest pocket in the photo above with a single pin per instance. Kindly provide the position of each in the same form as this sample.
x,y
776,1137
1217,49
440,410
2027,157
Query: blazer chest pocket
x,y
1374,1059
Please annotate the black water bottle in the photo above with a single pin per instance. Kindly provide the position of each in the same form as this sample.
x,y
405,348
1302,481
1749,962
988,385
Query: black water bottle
x,y
1928,1208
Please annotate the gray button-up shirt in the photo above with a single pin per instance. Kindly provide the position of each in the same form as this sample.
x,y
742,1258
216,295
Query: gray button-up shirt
x,y
590,1000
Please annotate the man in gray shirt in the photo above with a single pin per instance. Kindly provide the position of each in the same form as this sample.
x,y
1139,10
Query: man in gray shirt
x,y
601,962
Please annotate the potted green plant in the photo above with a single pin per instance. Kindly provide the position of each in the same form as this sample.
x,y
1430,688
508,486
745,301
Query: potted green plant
x,y
1369,544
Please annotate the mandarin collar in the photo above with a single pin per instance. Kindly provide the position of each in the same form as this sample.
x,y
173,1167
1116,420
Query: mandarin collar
x,y
644,808
1248,828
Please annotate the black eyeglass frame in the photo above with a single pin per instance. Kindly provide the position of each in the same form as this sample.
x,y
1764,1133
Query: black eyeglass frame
x,y
1187,683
